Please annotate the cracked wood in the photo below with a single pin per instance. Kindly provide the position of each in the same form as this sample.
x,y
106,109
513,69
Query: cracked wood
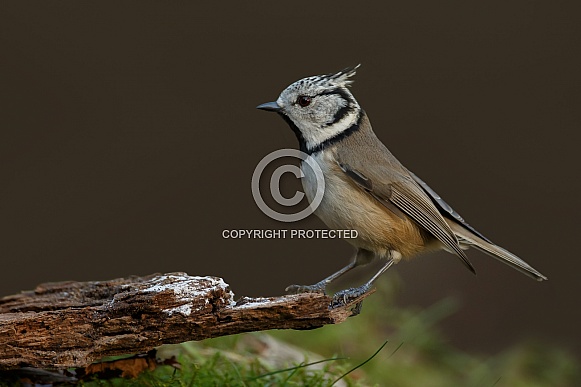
x,y
71,324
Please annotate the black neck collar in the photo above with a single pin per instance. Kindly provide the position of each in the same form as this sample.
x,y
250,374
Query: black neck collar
x,y
336,138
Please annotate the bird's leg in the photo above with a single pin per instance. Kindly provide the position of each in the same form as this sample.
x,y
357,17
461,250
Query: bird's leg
x,y
345,296
320,286
362,257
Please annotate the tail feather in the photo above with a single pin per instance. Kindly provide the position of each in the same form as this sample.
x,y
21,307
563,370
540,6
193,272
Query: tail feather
x,y
467,238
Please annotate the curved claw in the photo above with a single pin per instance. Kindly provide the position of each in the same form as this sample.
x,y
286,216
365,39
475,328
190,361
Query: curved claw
x,y
344,297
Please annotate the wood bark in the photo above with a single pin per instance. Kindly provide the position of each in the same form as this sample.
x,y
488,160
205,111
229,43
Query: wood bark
x,y
72,324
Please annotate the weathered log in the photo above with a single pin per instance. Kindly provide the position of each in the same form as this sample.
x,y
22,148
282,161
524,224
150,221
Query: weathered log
x,y
72,324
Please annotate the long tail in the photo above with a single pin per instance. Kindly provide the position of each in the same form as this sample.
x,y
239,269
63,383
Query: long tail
x,y
467,238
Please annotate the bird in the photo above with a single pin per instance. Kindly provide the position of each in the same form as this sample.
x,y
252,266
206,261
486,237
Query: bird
x,y
397,216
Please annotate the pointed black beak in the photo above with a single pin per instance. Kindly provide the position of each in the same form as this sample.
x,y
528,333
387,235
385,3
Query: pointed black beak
x,y
269,107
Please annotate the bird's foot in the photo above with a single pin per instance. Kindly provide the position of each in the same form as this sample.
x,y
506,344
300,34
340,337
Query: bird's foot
x,y
344,297
319,287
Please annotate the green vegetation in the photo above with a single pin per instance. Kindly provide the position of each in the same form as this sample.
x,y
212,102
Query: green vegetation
x,y
224,362
418,355
415,355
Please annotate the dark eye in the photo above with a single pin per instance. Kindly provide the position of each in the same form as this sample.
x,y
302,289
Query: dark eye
x,y
304,101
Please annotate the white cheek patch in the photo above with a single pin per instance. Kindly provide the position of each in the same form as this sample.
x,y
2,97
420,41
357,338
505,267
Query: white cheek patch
x,y
316,122
316,134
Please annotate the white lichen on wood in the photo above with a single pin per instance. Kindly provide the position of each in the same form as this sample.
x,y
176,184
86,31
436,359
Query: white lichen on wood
x,y
71,324
188,289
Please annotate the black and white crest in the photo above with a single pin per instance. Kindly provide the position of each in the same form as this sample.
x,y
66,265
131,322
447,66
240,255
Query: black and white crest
x,y
339,79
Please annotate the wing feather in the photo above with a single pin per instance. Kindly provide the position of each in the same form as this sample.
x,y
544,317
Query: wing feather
x,y
422,210
446,207
409,198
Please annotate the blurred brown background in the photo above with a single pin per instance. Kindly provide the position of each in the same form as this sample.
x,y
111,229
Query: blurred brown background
x,y
129,134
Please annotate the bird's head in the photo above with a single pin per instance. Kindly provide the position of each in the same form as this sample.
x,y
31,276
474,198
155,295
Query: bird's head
x,y
318,108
